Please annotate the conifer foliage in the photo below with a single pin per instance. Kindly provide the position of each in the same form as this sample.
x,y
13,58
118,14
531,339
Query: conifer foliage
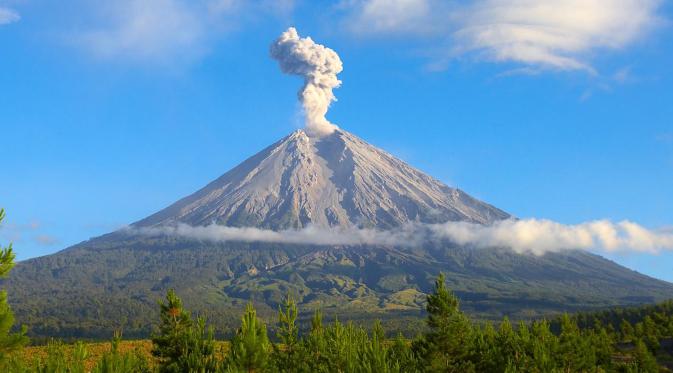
x,y
8,341
183,345
451,343
250,347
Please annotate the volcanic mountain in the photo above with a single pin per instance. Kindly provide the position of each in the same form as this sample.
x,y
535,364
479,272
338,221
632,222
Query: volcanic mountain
x,y
333,181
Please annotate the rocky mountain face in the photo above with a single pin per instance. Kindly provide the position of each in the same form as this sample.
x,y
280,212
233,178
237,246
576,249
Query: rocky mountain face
x,y
335,180
113,281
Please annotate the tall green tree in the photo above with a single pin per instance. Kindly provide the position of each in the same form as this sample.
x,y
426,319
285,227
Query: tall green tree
x,y
9,341
250,346
644,360
287,355
446,347
182,345
576,352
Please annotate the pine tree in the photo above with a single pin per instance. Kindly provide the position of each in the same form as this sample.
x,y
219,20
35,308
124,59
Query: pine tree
x,y
374,356
287,355
626,330
181,345
314,346
644,359
447,346
543,347
576,354
250,347
485,354
9,341
400,353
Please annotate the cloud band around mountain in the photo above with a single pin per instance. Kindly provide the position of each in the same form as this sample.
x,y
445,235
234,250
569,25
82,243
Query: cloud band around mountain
x,y
534,236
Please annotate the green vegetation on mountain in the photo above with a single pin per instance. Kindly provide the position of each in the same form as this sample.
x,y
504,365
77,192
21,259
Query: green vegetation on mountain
x,y
113,282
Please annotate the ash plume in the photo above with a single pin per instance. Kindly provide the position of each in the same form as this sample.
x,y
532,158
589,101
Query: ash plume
x,y
319,66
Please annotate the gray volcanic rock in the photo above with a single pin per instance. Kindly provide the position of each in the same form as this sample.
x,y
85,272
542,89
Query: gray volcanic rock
x,y
336,180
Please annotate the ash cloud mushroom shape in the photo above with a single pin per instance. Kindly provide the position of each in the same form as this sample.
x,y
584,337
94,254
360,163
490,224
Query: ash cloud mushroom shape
x,y
319,66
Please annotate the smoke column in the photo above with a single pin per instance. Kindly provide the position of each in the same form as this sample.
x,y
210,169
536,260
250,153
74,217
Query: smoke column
x,y
319,66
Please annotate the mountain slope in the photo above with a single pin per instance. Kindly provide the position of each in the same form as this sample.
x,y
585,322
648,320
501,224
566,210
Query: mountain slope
x,y
336,180
114,281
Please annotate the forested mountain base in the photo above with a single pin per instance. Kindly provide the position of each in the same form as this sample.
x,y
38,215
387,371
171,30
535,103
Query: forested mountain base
x,y
452,343
113,282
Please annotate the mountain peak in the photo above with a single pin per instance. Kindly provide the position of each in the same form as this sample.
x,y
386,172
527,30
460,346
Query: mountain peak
x,y
332,180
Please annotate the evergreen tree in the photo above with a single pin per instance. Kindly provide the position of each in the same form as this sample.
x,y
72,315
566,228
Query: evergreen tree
x,y
576,354
287,355
543,347
485,354
626,330
446,347
9,341
315,345
374,356
401,354
182,345
644,360
250,347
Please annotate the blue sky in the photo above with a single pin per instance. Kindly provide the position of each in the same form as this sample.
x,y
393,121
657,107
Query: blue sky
x,y
109,113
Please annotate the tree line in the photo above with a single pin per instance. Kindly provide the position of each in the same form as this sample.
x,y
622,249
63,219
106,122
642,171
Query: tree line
x,y
450,343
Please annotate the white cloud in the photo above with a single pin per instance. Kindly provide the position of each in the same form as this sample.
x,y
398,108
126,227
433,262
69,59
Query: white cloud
x,y
46,240
166,30
541,236
145,29
559,34
524,236
8,16
391,16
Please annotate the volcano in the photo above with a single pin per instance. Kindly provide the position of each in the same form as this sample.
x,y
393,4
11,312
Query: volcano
x,y
333,181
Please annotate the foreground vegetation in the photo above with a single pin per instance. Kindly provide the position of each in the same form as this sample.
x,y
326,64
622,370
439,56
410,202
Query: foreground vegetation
x,y
452,344
636,340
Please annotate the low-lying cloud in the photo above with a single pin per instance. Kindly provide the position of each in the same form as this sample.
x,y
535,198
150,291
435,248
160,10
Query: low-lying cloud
x,y
536,236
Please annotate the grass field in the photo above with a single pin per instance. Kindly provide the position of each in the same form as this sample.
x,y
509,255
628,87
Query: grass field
x,y
33,354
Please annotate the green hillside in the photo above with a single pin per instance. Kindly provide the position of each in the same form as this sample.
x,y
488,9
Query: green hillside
x,y
114,282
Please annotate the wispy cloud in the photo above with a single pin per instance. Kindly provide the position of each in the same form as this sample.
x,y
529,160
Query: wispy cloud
x,y
8,15
166,30
560,34
524,236
14,232
46,240
666,137
145,29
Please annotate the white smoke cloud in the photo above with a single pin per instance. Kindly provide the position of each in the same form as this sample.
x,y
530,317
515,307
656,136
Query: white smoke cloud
x,y
533,236
319,66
